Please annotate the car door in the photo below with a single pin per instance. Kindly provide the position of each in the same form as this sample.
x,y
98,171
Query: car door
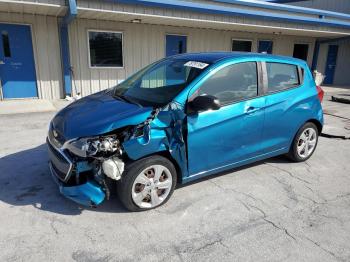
x,y
285,105
221,138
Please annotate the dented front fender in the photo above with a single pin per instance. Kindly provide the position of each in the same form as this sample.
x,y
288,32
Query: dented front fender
x,y
163,133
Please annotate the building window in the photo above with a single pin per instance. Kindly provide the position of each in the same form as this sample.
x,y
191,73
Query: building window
x,y
301,51
106,49
281,76
265,46
6,43
242,45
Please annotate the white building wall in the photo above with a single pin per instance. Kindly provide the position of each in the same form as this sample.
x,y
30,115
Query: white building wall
x,y
46,51
143,44
342,75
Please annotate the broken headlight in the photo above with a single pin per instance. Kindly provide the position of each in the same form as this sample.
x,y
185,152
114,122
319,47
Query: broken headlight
x,y
85,147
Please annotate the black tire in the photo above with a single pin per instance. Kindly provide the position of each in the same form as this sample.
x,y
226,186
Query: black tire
x,y
132,170
293,152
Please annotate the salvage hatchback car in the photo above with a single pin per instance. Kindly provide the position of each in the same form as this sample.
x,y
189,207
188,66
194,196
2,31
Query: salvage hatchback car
x,y
180,119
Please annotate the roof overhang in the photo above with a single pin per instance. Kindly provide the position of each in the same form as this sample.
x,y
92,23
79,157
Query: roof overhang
x,y
28,7
234,15
279,6
188,21
253,10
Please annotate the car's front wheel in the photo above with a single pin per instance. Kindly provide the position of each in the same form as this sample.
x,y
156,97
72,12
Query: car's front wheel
x,y
304,143
147,183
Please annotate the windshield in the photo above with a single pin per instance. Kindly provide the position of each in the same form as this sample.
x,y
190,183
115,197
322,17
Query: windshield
x,y
160,82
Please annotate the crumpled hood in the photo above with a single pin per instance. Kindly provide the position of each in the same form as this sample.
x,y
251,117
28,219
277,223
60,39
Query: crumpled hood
x,y
97,114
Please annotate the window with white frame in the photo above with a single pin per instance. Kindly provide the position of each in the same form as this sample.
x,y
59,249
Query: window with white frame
x,y
105,49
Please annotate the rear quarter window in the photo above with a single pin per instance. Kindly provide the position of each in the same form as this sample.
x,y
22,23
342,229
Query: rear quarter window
x,y
281,76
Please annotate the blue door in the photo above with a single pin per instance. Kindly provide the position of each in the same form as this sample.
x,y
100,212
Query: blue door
x,y
265,46
17,70
175,44
331,64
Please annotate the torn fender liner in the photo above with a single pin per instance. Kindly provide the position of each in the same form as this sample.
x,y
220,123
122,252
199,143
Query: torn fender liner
x,y
164,132
88,194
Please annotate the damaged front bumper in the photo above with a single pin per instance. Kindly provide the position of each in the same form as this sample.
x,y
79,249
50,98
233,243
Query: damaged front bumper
x,y
89,193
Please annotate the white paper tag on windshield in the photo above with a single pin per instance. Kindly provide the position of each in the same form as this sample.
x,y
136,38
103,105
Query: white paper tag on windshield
x,y
196,64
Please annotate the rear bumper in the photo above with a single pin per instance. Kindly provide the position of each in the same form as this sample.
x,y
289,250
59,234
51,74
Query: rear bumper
x,y
88,194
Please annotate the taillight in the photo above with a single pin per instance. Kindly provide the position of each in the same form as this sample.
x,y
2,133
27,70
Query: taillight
x,y
320,93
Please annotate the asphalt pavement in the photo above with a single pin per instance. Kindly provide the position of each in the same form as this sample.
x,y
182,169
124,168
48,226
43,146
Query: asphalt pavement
x,y
273,210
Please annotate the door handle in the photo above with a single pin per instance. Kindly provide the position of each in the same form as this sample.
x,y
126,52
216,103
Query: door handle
x,y
252,109
2,62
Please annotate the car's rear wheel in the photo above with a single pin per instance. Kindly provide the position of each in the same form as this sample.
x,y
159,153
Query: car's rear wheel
x,y
304,143
147,183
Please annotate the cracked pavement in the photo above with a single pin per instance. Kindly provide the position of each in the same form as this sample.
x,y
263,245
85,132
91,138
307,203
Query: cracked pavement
x,y
273,210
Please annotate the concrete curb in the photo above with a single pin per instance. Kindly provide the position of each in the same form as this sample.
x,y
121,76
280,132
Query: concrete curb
x,y
341,99
22,106
336,127
335,136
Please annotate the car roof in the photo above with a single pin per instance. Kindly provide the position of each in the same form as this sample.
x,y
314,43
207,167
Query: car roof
x,y
214,57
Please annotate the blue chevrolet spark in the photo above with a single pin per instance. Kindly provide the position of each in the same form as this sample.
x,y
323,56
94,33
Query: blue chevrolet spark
x,y
180,119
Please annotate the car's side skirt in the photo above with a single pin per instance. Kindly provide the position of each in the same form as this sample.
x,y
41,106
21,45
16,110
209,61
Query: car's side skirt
x,y
234,165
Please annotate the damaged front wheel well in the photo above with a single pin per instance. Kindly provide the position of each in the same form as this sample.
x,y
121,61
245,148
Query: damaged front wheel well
x,y
168,156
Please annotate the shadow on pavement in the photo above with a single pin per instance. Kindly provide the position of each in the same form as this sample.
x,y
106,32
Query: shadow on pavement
x,y
25,179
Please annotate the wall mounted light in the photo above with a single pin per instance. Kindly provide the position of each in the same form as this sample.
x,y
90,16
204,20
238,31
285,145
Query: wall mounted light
x,y
136,21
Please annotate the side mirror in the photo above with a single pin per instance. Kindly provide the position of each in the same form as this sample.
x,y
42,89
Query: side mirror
x,y
204,103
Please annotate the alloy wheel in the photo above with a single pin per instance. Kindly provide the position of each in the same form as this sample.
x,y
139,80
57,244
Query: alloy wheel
x,y
152,186
307,142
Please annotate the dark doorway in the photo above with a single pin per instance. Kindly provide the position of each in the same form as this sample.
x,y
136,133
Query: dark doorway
x,y
301,51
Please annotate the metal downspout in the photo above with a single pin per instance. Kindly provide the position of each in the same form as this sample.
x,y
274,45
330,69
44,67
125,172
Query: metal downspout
x,y
64,44
315,55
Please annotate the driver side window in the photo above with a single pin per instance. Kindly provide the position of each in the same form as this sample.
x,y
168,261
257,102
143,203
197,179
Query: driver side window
x,y
232,83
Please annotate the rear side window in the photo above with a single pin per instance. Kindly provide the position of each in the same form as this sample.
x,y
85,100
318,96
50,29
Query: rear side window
x,y
281,76
232,83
